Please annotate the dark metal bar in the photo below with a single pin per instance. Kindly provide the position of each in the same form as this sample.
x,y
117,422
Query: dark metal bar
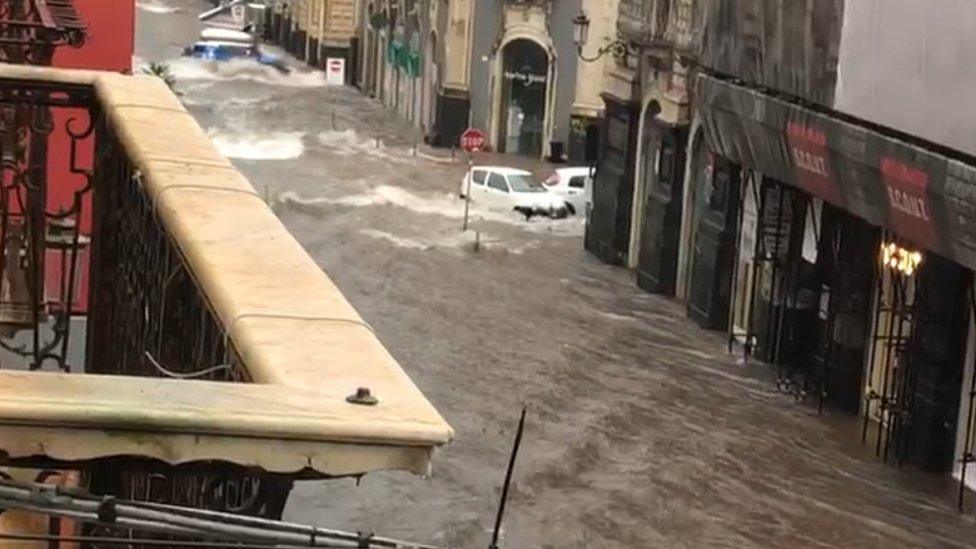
x,y
735,262
508,481
110,513
967,445
150,542
759,195
888,339
878,297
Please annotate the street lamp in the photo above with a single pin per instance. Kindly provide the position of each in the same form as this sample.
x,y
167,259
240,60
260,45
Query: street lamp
x,y
581,34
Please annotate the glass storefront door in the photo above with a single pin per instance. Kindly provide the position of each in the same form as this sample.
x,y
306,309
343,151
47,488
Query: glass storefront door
x,y
525,78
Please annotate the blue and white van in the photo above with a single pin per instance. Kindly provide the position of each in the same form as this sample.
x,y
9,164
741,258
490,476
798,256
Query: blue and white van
x,y
220,44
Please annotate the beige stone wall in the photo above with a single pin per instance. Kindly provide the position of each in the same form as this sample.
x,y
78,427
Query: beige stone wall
x,y
457,44
300,13
590,77
315,19
340,22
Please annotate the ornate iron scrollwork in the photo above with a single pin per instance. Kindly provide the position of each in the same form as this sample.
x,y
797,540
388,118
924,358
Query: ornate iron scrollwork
x,y
32,236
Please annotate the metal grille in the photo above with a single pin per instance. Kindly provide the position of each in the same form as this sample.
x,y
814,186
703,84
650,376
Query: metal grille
x,y
149,318
968,452
30,30
891,374
148,315
684,25
39,235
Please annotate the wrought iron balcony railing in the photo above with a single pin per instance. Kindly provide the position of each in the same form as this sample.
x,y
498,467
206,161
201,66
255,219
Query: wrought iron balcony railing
x,y
31,29
220,362
685,26
643,22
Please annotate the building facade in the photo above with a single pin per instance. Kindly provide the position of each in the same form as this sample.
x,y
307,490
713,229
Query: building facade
x,y
637,197
824,226
322,33
397,43
506,67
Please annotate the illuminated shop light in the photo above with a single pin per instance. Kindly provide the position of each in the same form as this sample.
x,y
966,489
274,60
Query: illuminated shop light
x,y
900,259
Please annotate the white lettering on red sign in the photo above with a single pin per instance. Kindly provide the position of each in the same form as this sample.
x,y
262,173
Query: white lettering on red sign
x,y
472,140
808,147
812,163
908,203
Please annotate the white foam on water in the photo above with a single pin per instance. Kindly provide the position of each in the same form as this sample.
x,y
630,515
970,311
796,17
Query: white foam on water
x,y
348,143
617,317
455,241
248,70
398,241
223,103
252,146
444,205
155,6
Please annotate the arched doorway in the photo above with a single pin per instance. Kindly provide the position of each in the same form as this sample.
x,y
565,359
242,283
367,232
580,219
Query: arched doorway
x,y
524,92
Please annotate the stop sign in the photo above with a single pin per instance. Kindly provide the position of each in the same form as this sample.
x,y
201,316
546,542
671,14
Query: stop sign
x,y
472,140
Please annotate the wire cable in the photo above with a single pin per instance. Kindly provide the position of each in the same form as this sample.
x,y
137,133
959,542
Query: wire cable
x,y
186,375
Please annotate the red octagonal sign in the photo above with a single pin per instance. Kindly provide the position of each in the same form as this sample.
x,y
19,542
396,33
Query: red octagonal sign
x,y
472,140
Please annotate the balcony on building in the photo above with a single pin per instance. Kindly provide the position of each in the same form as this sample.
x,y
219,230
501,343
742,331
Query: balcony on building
x,y
219,363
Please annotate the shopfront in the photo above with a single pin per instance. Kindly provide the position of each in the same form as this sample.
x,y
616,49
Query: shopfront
x,y
850,268
524,94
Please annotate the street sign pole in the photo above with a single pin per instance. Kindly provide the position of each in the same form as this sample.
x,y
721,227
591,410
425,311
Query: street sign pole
x,y
472,140
467,194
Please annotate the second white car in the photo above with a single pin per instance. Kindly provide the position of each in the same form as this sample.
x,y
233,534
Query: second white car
x,y
575,186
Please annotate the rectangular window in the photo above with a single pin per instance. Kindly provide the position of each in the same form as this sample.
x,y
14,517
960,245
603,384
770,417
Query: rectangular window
x,y
577,182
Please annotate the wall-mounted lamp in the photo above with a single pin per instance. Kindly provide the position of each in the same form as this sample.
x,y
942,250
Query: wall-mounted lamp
x,y
581,34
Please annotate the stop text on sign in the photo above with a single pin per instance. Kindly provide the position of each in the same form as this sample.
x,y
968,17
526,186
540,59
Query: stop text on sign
x,y
472,140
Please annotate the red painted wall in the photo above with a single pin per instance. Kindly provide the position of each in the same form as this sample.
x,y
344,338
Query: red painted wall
x,y
109,46
111,37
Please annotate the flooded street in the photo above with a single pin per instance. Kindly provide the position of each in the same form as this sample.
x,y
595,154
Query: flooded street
x,y
641,432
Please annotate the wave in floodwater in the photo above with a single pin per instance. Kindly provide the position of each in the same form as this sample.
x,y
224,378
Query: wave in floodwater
x,y
398,241
155,6
444,205
349,143
223,103
253,146
454,241
246,70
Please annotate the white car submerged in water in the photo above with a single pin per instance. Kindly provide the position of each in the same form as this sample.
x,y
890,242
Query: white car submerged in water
x,y
502,188
575,185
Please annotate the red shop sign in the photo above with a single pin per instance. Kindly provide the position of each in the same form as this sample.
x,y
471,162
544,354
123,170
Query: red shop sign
x,y
811,162
908,202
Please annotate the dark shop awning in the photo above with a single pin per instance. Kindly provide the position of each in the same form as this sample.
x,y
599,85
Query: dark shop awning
x,y
924,194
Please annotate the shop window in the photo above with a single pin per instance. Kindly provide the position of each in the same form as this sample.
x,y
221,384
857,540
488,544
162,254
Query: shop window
x,y
525,79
